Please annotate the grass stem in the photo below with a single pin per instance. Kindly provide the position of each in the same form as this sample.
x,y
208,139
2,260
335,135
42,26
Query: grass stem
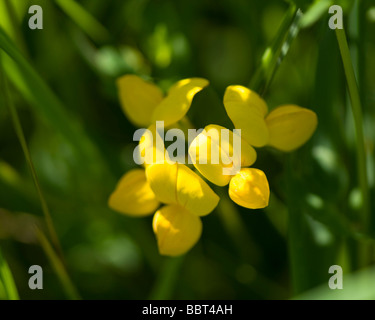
x,y
165,283
25,149
358,121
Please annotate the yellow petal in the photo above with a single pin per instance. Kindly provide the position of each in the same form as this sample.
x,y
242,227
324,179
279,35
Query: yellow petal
x,y
250,189
151,147
290,127
176,230
178,101
202,153
212,151
247,155
247,110
177,184
246,96
133,195
193,193
163,181
138,99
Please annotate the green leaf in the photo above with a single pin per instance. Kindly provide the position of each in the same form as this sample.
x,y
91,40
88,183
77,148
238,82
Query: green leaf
x,y
6,281
315,12
84,20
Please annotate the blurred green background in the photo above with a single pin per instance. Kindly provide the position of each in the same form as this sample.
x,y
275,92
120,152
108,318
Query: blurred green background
x,y
62,83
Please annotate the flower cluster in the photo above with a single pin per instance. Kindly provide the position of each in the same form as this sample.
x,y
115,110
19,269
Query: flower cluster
x,y
185,195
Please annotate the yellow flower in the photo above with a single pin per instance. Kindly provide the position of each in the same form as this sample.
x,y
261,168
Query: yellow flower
x,y
212,152
144,104
285,128
178,226
249,188
177,184
186,196
140,192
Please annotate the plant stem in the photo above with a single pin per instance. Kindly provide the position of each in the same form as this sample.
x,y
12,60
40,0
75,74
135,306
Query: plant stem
x,y
297,232
165,283
69,288
358,121
235,227
274,54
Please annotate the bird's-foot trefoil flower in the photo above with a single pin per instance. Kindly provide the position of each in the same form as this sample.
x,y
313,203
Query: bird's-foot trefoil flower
x,y
285,128
187,196
247,187
218,153
178,196
141,192
144,103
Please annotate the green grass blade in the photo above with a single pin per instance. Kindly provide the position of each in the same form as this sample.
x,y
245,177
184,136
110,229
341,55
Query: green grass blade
x,y
69,288
84,20
25,149
11,22
6,20
6,280
275,53
358,121
297,231
44,101
315,12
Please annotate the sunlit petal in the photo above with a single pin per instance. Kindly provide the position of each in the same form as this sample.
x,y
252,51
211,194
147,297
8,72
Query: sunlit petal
x,y
163,181
193,193
246,96
212,151
176,230
151,147
177,184
290,127
138,98
178,101
250,189
247,110
133,195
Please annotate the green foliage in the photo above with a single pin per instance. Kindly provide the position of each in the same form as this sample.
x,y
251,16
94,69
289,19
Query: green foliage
x,y
8,290
62,84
